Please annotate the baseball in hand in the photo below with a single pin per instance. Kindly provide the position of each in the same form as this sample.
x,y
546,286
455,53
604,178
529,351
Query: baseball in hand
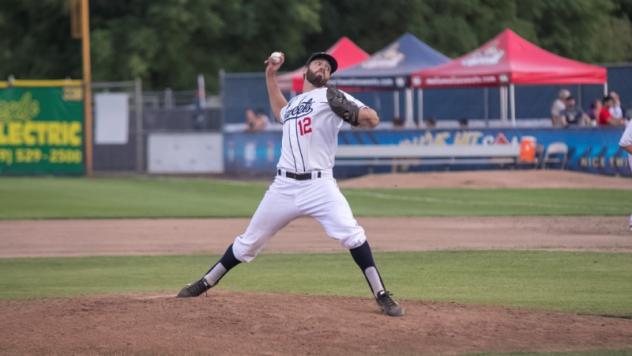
x,y
276,57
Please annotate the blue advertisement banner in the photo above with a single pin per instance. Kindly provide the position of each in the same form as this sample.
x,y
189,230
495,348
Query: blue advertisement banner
x,y
592,150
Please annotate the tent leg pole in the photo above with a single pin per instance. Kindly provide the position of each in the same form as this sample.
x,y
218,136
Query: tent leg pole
x,y
512,102
486,107
408,99
420,103
502,92
579,96
396,103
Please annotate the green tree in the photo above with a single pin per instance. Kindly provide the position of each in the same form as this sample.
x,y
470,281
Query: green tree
x,y
168,42
35,40
587,30
372,24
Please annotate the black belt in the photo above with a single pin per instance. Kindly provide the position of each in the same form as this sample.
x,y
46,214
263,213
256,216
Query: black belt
x,y
297,176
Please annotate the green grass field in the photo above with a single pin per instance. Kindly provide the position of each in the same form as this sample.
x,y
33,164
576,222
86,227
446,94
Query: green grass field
x,y
45,198
594,283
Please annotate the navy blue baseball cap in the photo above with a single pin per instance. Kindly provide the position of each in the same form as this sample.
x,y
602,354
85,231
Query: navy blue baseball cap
x,y
326,56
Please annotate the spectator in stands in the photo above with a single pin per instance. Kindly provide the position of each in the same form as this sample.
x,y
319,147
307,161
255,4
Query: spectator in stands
x,y
251,119
572,115
398,123
615,110
558,106
430,123
605,118
595,109
256,120
263,117
463,123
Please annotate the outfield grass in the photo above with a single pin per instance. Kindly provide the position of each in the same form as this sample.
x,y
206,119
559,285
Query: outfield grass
x,y
581,282
44,198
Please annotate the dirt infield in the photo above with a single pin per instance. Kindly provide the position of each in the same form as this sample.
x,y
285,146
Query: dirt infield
x,y
211,236
280,324
490,179
273,324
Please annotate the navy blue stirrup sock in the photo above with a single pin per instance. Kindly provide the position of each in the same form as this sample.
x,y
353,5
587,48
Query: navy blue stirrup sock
x,y
362,256
364,259
225,264
229,260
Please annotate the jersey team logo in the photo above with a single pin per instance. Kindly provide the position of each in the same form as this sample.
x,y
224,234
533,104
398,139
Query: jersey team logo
x,y
303,108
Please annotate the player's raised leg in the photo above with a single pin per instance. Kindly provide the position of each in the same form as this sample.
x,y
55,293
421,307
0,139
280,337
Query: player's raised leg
x,y
275,211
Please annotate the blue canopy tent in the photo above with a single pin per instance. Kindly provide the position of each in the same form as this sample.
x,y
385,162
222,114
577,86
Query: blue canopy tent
x,y
391,69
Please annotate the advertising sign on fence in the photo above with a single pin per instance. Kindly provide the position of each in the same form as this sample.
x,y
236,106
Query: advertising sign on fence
x,y
41,128
586,149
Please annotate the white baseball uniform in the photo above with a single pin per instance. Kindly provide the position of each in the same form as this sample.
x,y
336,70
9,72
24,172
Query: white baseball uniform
x,y
626,140
304,185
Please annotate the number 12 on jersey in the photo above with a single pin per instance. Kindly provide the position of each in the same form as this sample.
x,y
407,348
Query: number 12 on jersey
x,y
304,125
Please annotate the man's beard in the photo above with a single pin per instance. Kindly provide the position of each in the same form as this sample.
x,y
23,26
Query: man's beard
x,y
317,80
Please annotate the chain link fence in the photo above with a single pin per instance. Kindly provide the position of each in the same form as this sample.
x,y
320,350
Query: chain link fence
x,y
150,112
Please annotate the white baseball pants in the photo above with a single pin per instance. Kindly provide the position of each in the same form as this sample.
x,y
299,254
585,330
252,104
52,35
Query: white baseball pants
x,y
287,199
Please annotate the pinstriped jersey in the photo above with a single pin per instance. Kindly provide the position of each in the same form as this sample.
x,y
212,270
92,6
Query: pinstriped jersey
x,y
626,140
310,132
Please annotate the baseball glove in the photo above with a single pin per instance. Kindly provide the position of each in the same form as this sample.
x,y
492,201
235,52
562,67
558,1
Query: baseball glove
x,y
341,106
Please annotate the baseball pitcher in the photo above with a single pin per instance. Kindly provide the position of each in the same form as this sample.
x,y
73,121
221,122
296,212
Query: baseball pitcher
x,y
304,182
626,143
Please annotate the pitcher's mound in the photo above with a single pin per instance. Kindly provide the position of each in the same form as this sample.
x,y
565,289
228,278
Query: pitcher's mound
x,y
229,323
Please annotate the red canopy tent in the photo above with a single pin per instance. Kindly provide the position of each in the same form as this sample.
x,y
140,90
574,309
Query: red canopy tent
x,y
346,52
504,61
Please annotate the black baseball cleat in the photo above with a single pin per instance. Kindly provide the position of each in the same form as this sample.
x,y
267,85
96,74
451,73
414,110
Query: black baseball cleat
x,y
194,289
389,306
